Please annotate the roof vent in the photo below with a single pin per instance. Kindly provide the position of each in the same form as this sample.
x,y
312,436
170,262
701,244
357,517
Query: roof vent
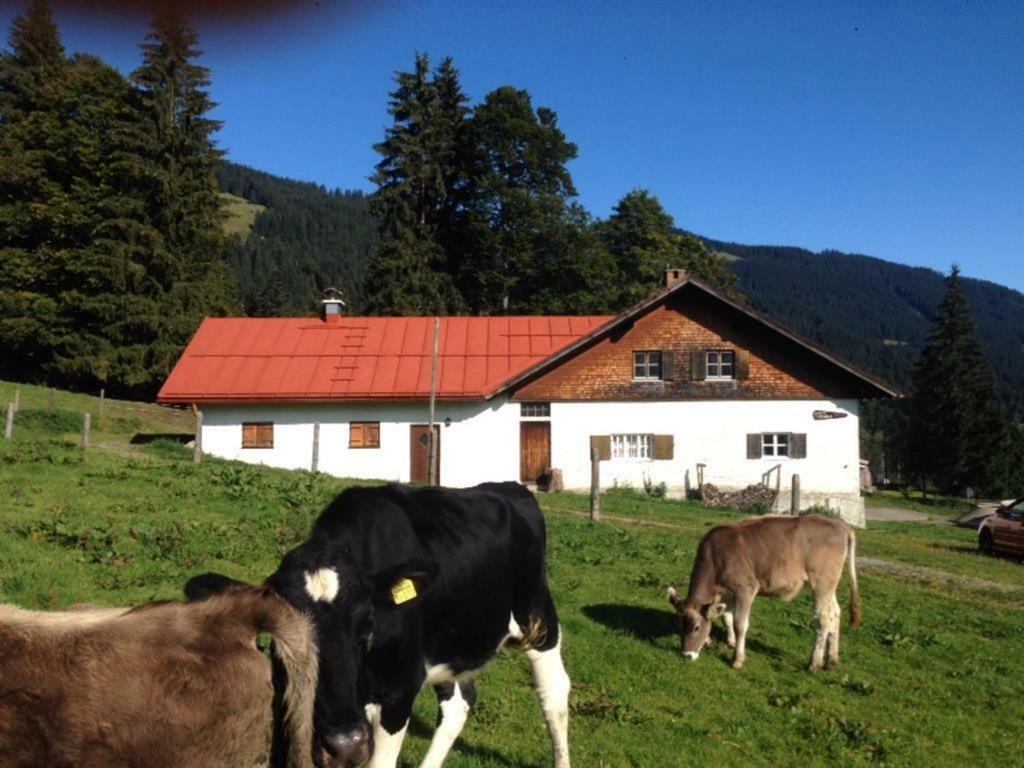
x,y
333,304
675,276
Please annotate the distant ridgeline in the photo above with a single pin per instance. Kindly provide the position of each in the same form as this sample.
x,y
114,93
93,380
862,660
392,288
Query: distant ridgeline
x,y
873,312
876,313
307,239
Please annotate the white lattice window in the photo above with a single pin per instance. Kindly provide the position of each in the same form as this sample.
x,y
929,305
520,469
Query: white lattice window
x,y
632,446
775,444
647,366
721,364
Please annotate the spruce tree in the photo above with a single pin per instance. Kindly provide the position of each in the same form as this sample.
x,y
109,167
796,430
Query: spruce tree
x,y
408,271
955,427
642,237
37,220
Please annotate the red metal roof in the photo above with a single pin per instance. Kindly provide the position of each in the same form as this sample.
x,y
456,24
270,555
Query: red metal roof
x,y
363,358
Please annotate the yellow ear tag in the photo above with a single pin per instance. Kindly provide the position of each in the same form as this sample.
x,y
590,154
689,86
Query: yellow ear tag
x,y
403,592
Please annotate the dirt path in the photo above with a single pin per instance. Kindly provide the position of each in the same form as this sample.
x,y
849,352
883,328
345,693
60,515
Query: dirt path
x,y
900,515
916,574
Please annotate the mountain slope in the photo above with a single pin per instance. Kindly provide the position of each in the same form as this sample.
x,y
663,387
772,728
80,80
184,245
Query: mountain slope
x,y
874,312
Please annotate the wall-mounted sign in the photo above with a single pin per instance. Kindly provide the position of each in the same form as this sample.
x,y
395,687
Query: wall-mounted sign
x,y
825,415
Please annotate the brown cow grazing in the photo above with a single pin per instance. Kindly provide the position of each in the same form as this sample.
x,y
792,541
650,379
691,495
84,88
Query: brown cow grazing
x,y
775,557
165,685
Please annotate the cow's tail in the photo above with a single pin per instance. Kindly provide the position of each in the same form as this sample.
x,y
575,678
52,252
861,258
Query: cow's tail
x,y
296,651
851,554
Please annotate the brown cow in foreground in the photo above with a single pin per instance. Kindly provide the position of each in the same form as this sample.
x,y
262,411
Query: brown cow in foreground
x,y
165,685
775,557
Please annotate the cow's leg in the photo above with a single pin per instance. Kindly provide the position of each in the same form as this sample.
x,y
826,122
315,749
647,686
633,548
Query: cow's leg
x,y
832,649
741,620
552,682
455,700
826,616
389,726
730,628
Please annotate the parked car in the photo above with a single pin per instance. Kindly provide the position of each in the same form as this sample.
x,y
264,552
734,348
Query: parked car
x,y
1003,532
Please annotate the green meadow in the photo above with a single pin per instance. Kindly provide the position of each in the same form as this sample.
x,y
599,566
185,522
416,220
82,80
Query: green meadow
x,y
935,677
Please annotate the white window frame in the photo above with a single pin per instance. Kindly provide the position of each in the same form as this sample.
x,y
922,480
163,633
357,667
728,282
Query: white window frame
x,y
644,360
632,447
718,364
775,441
530,410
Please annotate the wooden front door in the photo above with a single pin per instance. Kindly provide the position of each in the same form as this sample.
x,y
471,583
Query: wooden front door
x,y
534,449
419,453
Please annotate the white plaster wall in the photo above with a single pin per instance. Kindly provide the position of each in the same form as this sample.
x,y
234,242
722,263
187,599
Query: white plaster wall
x,y
714,433
481,443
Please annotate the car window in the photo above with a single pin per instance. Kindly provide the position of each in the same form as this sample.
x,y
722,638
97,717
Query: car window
x,y
1017,510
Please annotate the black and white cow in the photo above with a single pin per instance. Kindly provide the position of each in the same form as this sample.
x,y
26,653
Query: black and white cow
x,y
411,586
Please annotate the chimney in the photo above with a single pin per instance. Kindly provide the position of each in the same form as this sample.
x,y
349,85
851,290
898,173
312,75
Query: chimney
x,y
333,304
674,277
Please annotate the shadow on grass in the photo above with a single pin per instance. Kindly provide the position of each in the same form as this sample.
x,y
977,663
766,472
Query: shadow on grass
x,y
144,438
479,754
647,624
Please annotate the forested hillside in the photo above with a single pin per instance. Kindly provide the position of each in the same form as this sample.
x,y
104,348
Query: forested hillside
x,y
874,312
307,239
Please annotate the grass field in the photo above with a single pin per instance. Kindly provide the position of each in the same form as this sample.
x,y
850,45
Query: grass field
x,y
934,678
241,214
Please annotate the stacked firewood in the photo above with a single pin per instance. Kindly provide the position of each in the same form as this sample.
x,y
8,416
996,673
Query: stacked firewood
x,y
752,497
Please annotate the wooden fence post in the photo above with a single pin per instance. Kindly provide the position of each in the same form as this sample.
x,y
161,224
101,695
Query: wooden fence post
x,y
103,394
794,496
595,483
85,430
197,451
17,400
9,429
316,447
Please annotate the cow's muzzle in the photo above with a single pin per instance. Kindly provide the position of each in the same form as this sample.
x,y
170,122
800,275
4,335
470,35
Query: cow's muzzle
x,y
348,747
691,655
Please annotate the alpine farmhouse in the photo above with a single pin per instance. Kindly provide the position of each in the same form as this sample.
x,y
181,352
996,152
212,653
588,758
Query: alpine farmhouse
x,y
686,385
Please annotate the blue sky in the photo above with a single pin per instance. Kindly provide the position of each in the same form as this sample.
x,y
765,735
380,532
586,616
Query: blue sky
x,y
894,129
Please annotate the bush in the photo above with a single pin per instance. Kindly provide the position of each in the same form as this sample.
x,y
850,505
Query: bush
x,y
820,509
654,490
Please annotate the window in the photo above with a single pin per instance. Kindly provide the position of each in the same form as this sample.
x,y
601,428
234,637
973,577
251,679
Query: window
x,y
631,446
535,410
364,434
775,444
258,434
720,364
647,366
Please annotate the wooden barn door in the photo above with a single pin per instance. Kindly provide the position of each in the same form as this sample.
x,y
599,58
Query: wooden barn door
x,y
534,449
419,453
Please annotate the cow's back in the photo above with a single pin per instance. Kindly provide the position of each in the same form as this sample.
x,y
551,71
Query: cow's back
x,y
778,553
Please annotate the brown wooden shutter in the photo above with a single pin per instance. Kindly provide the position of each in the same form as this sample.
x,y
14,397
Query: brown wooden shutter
x,y
266,435
742,364
603,444
250,436
698,365
668,365
373,438
664,447
754,445
356,437
798,445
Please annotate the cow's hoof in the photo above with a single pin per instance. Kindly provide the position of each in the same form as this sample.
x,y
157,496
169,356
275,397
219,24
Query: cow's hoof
x,y
831,663
812,668
731,644
737,664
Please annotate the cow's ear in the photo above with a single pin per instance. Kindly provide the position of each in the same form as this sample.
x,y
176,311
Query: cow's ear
x,y
714,610
674,598
208,584
404,584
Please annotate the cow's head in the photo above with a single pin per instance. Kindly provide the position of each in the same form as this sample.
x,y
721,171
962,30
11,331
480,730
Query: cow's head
x,y
346,605
693,622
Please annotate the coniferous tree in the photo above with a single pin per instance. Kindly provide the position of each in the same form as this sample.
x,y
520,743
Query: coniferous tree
x,y
955,427
37,221
408,270
643,238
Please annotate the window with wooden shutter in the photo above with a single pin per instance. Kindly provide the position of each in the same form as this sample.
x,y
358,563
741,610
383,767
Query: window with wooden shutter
x,y
754,445
664,447
364,434
720,364
258,434
698,365
647,366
